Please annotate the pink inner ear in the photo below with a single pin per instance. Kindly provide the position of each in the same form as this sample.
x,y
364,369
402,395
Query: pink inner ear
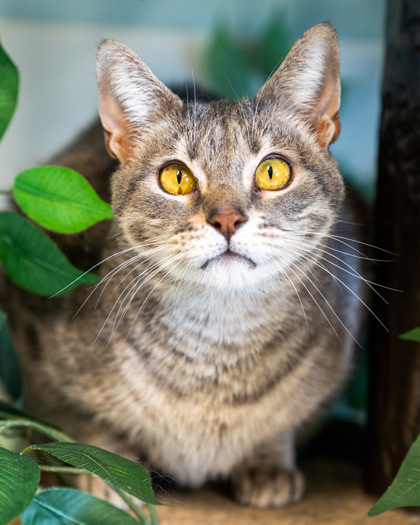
x,y
324,117
337,123
327,129
118,144
115,125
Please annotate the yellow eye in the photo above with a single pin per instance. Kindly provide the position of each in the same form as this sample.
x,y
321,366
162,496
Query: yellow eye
x,y
272,174
177,179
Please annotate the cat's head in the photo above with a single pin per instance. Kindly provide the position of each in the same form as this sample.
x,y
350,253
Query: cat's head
x,y
226,194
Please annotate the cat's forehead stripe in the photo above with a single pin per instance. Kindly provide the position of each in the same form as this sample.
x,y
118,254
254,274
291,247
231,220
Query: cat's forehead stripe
x,y
221,124
220,140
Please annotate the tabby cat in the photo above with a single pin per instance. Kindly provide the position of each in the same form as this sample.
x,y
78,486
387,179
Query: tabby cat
x,y
228,304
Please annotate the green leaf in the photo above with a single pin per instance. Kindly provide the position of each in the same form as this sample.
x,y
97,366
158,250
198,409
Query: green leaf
x,y
9,365
59,199
412,335
19,480
60,506
9,85
227,66
405,489
115,470
32,260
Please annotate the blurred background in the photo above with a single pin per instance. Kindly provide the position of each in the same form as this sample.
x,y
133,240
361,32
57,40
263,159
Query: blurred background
x,y
227,46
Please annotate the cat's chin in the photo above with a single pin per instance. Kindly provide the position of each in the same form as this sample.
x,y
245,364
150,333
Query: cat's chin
x,y
229,270
227,260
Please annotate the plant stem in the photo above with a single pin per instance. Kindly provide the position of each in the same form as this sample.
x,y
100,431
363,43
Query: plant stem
x,y
65,470
153,516
54,434
6,192
135,508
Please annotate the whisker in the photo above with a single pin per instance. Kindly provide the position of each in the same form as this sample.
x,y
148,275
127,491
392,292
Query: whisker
x,y
352,271
144,279
326,235
138,257
132,285
356,274
340,238
297,294
128,287
142,255
311,259
150,293
348,254
95,266
291,263
350,222
181,277
104,278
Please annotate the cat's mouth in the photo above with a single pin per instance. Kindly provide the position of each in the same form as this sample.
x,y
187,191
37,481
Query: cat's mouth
x,y
229,257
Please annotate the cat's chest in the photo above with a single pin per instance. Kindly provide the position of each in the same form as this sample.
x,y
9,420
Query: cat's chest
x,y
227,350
204,322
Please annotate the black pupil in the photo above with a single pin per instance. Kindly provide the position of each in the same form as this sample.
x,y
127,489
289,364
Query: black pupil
x,y
270,171
179,176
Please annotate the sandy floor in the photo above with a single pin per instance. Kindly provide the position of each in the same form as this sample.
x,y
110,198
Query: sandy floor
x,y
333,497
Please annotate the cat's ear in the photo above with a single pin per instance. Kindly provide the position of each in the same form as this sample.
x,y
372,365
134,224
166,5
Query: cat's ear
x,y
308,83
130,97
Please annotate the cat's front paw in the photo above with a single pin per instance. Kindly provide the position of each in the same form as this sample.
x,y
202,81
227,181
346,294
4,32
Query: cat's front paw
x,y
265,487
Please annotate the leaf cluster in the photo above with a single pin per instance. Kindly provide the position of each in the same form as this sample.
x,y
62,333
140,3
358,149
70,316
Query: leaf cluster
x,y
20,475
56,198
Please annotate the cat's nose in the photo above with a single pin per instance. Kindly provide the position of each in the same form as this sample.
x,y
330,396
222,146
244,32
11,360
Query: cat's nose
x,y
226,222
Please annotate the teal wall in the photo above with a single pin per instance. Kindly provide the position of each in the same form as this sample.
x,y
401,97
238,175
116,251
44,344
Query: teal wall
x,y
53,42
354,19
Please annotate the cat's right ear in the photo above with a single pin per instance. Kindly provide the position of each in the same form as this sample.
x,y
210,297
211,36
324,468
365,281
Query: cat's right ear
x,y
307,83
131,97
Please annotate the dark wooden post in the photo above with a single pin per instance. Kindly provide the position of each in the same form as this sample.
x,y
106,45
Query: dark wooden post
x,y
394,404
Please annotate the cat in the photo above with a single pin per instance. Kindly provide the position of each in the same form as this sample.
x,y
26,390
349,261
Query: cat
x,y
230,296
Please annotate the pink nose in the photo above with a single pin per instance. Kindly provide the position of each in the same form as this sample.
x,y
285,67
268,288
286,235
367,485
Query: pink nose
x,y
227,222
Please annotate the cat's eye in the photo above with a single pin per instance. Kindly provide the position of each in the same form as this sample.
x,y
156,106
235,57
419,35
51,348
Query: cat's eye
x,y
272,174
177,179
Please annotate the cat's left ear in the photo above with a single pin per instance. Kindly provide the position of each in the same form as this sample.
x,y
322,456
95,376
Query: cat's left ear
x,y
307,83
131,97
